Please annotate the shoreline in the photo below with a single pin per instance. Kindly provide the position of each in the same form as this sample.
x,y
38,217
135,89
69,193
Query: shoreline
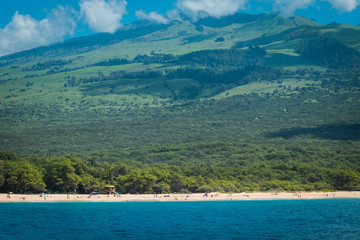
x,y
4,198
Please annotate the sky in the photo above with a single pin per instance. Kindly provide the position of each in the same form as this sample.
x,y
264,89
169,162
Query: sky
x,y
28,24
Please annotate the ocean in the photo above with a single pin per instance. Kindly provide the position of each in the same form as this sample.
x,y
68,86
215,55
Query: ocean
x,y
270,219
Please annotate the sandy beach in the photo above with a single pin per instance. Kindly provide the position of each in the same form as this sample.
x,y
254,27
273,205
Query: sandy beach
x,y
174,197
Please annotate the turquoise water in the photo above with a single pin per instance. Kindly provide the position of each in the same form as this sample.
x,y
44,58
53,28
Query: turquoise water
x,y
277,219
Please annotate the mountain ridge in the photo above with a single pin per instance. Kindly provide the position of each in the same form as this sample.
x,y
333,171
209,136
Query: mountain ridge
x,y
138,29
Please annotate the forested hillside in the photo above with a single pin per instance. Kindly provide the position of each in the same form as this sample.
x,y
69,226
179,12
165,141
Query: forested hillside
x,y
242,103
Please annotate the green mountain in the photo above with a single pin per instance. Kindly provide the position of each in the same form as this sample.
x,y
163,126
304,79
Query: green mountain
x,y
245,102
147,69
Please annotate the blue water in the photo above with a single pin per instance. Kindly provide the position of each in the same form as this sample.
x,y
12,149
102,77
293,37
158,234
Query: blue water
x,y
277,219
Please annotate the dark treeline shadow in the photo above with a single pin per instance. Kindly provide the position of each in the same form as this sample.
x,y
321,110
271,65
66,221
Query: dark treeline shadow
x,y
330,132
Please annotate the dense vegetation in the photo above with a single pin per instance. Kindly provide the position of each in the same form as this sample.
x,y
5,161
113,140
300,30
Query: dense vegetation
x,y
154,58
198,167
185,107
48,64
138,158
314,113
112,62
331,53
287,35
226,57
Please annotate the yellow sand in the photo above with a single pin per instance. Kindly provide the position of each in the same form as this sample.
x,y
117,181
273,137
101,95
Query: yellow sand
x,y
174,197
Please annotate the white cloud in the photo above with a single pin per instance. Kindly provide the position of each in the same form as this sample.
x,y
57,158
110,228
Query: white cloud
x,y
214,8
345,5
171,15
288,7
24,32
102,15
152,16
174,15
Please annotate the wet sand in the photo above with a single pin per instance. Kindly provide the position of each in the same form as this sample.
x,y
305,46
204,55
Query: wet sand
x,y
174,197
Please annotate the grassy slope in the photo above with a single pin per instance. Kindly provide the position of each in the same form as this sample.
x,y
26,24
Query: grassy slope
x,y
346,34
178,38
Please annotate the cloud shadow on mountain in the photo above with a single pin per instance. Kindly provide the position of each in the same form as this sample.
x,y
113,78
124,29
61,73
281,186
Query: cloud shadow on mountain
x,y
329,132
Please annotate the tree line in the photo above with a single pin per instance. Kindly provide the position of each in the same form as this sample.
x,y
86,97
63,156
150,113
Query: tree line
x,y
225,57
287,35
183,168
235,76
330,53
113,62
48,64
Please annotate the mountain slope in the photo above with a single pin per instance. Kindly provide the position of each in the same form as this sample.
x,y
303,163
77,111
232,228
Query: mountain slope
x,y
81,44
159,84
145,31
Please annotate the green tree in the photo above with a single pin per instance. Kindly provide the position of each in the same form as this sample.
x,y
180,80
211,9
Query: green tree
x,y
7,156
89,184
193,183
109,172
178,183
2,178
161,187
23,177
60,175
137,182
346,180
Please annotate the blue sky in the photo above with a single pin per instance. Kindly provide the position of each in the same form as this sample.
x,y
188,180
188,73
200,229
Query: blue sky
x,y
27,24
